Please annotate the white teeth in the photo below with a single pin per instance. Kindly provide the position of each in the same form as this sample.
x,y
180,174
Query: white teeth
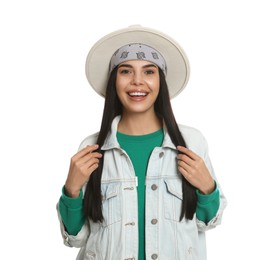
x,y
137,94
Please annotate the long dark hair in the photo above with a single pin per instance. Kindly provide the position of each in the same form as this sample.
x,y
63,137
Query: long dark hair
x,y
112,108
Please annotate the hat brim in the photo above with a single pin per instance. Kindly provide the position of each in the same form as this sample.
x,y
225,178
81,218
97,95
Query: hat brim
x,y
98,59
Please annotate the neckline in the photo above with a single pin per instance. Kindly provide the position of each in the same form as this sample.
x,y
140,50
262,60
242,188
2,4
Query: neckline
x,y
145,137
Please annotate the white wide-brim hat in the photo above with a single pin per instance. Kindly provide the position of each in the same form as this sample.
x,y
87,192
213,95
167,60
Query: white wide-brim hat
x,y
98,59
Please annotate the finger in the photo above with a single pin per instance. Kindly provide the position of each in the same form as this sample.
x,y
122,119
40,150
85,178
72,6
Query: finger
x,y
93,167
188,152
89,166
185,158
90,162
90,157
184,172
85,151
89,149
185,166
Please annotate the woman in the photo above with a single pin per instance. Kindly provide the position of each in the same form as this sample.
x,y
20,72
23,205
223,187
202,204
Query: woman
x,y
143,187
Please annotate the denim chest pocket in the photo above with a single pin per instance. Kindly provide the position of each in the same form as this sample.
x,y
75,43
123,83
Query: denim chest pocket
x,y
173,199
111,203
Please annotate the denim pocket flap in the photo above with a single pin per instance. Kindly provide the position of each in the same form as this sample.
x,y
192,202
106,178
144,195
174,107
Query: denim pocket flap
x,y
174,187
111,191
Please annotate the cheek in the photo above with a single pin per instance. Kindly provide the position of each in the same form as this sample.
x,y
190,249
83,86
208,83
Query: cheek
x,y
120,89
120,83
118,86
154,86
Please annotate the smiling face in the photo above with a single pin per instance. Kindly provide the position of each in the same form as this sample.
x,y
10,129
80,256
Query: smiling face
x,y
137,86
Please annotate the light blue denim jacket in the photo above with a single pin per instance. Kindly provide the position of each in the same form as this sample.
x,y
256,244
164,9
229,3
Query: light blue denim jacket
x,y
166,237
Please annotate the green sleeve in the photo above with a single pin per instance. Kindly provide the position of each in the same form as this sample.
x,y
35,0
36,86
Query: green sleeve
x,y
71,211
207,205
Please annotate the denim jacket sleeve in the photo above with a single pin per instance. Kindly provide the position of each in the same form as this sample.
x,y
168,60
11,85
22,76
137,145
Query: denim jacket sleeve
x,y
78,240
71,212
207,205
216,220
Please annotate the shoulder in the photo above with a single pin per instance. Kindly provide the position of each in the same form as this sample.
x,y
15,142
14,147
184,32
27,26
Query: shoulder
x,y
190,132
194,138
89,140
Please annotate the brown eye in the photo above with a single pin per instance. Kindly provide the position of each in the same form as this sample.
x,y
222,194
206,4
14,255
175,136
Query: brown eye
x,y
149,72
123,71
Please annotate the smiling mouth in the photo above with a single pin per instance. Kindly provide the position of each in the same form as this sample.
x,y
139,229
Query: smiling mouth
x,y
137,94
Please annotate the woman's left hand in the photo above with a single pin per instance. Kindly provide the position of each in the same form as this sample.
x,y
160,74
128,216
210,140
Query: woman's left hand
x,y
193,168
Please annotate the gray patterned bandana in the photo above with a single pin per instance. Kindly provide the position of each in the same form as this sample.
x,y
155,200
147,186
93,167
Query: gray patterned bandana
x,y
137,51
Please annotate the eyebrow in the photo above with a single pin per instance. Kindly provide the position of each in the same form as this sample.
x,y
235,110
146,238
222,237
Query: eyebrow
x,y
145,66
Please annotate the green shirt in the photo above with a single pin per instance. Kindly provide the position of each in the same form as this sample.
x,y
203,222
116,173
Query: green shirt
x,y
139,149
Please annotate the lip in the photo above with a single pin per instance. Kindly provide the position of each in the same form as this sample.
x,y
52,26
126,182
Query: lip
x,y
137,95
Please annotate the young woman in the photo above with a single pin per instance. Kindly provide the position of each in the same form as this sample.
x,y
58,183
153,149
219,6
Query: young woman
x,y
143,187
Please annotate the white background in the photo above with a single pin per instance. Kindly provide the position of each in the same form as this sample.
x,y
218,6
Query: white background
x,y
47,108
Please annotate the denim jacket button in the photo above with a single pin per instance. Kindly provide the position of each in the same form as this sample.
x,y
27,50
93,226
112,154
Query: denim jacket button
x,y
154,256
154,187
154,221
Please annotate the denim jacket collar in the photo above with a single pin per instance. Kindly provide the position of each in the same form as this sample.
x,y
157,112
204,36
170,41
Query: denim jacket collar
x,y
111,141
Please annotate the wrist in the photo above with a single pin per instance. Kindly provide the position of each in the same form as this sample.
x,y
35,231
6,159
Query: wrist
x,y
209,189
71,192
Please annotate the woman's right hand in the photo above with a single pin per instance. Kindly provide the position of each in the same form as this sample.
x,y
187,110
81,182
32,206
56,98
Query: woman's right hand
x,y
82,165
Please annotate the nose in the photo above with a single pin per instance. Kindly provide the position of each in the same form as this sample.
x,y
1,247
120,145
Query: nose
x,y
137,79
